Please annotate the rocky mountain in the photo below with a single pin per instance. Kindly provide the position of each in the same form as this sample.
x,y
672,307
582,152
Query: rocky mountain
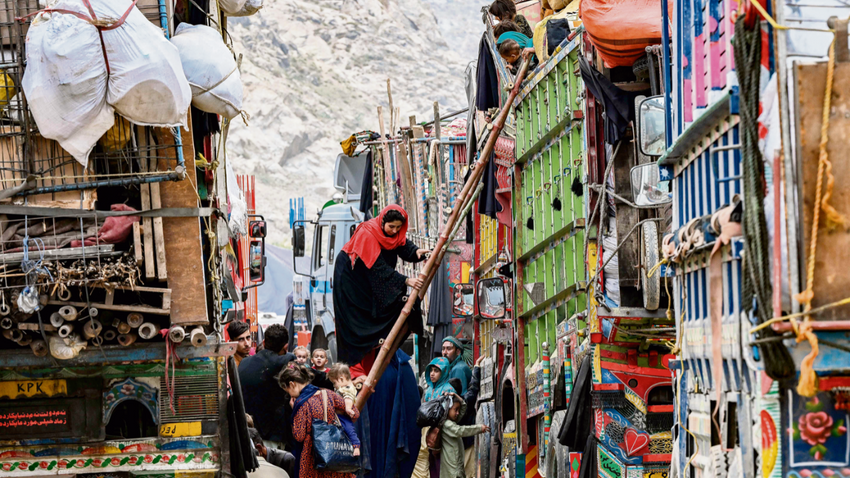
x,y
315,71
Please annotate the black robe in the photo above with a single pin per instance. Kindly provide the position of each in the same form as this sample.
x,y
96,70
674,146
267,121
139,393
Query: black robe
x,y
367,302
578,424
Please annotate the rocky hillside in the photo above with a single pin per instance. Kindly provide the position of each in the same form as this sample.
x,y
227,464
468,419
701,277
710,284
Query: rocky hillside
x,y
315,71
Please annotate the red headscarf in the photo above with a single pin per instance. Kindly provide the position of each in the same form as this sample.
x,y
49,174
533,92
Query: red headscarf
x,y
369,238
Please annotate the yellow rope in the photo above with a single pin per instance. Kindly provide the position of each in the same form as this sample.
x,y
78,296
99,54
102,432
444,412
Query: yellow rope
x,y
777,26
651,272
811,312
808,384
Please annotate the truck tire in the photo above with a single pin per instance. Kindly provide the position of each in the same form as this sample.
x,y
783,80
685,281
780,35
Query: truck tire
x,y
651,285
332,347
486,416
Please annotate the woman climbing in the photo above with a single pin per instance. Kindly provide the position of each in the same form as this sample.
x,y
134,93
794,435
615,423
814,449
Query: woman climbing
x,y
308,405
369,292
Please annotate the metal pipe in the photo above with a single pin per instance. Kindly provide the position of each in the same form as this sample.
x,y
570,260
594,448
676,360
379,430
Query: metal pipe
x,y
124,328
6,323
92,328
56,320
25,340
39,348
176,334
68,313
171,176
97,340
127,339
135,320
66,330
197,337
395,336
668,86
110,334
147,331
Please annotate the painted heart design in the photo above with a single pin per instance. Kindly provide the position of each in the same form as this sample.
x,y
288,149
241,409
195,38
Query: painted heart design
x,y
636,442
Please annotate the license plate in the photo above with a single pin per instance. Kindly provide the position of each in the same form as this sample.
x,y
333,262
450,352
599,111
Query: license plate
x,y
32,388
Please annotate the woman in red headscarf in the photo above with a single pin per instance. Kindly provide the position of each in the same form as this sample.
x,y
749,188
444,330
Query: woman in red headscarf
x,y
368,292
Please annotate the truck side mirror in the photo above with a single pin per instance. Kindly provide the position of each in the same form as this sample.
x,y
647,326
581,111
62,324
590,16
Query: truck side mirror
x,y
298,241
647,187
650,125
256,254
491,298
257,229
462,301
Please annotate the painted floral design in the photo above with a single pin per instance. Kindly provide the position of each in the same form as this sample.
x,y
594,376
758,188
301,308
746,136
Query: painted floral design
x,y
128,389
816,426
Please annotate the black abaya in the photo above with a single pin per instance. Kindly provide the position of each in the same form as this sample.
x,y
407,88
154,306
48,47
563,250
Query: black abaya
x,y
367,302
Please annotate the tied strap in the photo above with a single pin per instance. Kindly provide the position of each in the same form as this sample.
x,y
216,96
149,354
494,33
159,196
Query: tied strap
x,y
102,24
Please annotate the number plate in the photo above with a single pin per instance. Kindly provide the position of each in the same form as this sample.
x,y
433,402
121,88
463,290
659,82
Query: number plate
x,y
32,388
188,429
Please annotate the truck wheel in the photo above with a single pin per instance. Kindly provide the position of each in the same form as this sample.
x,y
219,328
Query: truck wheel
x,y
651,285
486,416
332,347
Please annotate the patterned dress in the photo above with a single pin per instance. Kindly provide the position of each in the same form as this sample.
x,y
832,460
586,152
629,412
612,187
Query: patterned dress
x,y
302,430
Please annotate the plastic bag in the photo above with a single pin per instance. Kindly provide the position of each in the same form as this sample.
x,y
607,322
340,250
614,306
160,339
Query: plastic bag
x,y
332,450
232,7
67,348
66,83
433,413
211,70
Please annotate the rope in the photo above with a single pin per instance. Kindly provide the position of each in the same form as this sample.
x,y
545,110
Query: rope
x,y
757,290
777,26
808,384
811,312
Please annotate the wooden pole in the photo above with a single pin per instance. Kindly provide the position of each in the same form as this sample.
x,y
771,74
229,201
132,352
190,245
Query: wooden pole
x,y
399,330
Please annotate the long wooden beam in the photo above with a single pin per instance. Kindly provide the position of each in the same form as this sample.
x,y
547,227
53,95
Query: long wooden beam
x,y
400,329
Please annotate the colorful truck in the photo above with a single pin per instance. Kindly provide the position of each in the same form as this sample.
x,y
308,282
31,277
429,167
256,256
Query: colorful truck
x,y
119,277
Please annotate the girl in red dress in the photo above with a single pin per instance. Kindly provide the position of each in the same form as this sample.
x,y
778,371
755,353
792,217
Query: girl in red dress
x,y
307,406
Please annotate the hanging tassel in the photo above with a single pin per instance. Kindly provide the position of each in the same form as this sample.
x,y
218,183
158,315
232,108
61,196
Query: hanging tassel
x,y
577,187
556,204
530,223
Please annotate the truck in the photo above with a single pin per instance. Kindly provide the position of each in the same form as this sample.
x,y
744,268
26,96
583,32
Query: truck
x,y
120,276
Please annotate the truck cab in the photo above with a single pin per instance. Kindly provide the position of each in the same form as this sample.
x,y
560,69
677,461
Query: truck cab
x,y
332,228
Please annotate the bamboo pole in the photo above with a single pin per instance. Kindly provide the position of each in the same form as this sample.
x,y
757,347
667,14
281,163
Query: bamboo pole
x,y
400,329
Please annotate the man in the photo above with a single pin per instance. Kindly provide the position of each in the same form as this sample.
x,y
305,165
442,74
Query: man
x,y
264,399
453,350
240,333
273,463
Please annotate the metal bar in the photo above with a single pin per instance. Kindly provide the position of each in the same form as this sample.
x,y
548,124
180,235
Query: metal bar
x,y
430,268
172,176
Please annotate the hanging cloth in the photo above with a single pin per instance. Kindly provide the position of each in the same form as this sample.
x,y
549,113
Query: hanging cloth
x,y
488,205
487,95
366,200
577,424
440,310
619,104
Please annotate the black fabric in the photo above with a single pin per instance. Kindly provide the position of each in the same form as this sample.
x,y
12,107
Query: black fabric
x,y
281,459
524,26
264,399
487,95
366,199
440,310
470,223
577,424
556,32
589,467
242,457
367,301
471,399
619,105
488,205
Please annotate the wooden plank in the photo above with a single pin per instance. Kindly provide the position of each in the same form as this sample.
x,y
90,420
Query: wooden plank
x,y
147,223
629,255
409,198
183,250
831,281
137,244
159,240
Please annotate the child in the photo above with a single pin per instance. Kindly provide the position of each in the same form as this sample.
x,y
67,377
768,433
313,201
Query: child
x,y
451,456
438,379
320,360
513,46
340,375
301,355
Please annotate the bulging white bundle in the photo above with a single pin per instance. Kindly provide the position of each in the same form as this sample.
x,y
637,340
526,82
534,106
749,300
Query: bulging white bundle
x,y
251,7
211,70
74,84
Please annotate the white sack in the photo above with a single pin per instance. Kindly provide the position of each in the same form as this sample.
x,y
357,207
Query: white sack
x,y
231,7
251,7
65,83
208,63
66,77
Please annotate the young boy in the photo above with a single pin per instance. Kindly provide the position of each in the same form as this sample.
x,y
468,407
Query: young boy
x,y
451,457
511,51
340,375
320,360
301,355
